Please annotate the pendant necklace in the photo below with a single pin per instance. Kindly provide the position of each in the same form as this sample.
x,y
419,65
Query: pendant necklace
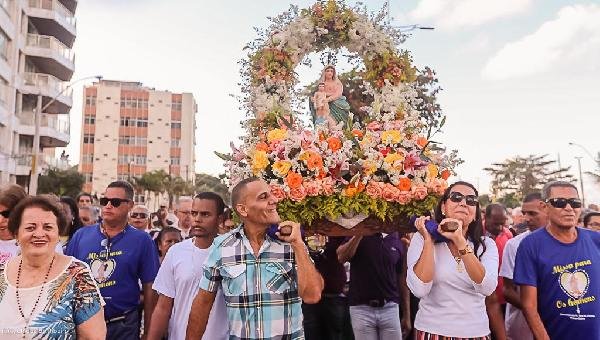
x,y
458,260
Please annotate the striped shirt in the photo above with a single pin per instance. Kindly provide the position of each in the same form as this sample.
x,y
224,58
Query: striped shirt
x,y
261,293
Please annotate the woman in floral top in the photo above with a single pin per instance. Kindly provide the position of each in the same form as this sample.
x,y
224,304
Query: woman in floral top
x,y
43,294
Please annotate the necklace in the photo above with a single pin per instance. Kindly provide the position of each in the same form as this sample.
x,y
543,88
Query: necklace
x,y
27,319
458,260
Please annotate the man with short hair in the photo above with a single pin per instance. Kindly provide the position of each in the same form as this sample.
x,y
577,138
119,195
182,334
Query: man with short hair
x,y
534,217
592,221
183,208
119,256
180,273
557,270
495,225
88,215
84,200
139,218
264,278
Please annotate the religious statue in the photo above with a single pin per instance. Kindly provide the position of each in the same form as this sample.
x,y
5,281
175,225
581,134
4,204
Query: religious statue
x,y
331,88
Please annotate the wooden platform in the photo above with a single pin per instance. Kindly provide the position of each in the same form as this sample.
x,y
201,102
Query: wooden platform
x,y
369,226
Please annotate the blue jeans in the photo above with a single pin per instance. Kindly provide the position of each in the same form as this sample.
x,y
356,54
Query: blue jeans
x,y
125,329
376,323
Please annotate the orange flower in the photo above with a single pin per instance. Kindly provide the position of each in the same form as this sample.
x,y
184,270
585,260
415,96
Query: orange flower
x,y
357,133
293,180
353,189
404,184
314,161
421,141
445,174
262,146
334,144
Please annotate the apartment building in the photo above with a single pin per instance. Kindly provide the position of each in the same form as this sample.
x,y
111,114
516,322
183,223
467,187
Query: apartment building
x,y
129,129
36,62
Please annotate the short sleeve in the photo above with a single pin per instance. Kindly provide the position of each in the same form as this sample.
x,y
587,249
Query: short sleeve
x,y
165,281
148,261
211,275
508,259
71,249
87,299
525,268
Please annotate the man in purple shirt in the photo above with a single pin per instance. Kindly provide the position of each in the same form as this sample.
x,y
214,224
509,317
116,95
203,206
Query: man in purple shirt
x,y
377,286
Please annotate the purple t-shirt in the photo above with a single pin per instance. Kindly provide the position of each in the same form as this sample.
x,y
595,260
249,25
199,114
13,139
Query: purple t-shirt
x,y
375,269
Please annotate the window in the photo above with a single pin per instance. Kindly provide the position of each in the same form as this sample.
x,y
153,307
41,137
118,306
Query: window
x,y
123,159
175,160
140,160
139,199
175,143
4,41
90,100
132,140
87,177
88,138
133,122
175,125
176,106
87,158
134,103
88,119
123,177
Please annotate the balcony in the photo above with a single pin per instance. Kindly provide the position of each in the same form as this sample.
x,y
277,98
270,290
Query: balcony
x,y
54,132
51,17
50,56
49,87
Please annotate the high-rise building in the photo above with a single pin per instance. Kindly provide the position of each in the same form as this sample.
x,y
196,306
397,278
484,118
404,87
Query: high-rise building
x,y
129,129
36,62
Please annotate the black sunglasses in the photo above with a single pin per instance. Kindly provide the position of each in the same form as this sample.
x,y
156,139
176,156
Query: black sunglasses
x,y
457,197
560,202
115,202
5,213
138,215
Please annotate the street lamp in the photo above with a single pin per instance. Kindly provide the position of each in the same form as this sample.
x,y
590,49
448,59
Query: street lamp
x,y
33,181
597,160
581,179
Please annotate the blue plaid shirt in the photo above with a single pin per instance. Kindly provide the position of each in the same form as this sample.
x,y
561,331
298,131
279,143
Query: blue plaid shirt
x,y
261,293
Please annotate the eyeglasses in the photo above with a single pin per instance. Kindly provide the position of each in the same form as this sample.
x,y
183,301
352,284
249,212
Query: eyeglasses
x,y
138,215
115,202
457,197
5,213
560,202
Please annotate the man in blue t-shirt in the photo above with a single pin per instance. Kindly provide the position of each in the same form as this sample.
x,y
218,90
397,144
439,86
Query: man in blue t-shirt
x,y
558,269
120,257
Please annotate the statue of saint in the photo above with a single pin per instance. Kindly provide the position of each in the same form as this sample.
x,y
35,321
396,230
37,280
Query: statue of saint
x,y
339,108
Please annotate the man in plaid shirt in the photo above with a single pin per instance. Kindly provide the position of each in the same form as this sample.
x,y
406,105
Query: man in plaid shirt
x,y
264,279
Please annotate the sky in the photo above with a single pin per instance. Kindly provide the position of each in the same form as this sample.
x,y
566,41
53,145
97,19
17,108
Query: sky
x,y
519,77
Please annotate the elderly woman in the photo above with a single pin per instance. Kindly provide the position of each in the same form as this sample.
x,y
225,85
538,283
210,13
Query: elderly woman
x,y
453,277
43,294
10,196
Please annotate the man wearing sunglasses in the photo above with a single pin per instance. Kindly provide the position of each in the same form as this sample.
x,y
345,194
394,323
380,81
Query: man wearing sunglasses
x,y
557,268
120,256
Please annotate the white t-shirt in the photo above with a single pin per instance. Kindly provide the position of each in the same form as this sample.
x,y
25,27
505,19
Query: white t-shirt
x,y
515,322
178,278
452,304
9,249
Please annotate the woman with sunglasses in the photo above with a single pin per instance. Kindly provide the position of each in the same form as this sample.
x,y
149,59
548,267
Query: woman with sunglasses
x,y
44,294
10,196
453,277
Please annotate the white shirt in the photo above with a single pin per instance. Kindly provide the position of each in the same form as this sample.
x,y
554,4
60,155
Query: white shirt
x,y
515,322
10,249
452,304
178,278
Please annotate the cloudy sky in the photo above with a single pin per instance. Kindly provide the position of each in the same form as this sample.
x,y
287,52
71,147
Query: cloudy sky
x,y
519,76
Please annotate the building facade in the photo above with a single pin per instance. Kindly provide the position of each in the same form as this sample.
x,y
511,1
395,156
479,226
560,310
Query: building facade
x,y
129,129
36,62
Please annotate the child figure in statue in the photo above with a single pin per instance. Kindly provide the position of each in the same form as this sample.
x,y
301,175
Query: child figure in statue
x,y
322,107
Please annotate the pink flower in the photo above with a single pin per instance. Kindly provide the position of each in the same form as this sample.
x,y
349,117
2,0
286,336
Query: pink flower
x,y
438,185
419,191
298,194
390,192
278,192
412,161
394,125
327,184
404,197
374,189
374,126
313,188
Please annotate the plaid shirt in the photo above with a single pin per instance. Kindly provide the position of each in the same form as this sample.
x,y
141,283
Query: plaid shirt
x,y
261,293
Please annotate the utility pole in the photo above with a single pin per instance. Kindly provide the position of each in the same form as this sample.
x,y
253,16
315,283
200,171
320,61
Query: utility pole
x,y
37,117
581,179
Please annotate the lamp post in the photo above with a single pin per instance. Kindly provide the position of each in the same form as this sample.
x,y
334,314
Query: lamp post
x,y
33,177
581,179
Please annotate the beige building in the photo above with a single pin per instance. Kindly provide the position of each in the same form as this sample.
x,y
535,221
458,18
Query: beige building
x,y
36,62
129,129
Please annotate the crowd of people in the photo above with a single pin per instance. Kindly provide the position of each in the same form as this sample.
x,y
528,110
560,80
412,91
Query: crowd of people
x,y
70,269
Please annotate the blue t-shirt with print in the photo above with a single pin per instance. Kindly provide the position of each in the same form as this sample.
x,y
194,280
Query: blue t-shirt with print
x,y
132,258
567,277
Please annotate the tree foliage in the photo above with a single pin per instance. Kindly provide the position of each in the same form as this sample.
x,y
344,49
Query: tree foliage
x,y
516,177
61,182
205,182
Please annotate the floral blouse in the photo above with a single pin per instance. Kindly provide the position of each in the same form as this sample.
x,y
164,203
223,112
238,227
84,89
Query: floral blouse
x,y
67,301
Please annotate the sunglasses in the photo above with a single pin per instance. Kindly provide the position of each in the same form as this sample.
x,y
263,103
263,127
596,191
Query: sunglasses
x,y
560,202
138,215
5,213
115,202
457,197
